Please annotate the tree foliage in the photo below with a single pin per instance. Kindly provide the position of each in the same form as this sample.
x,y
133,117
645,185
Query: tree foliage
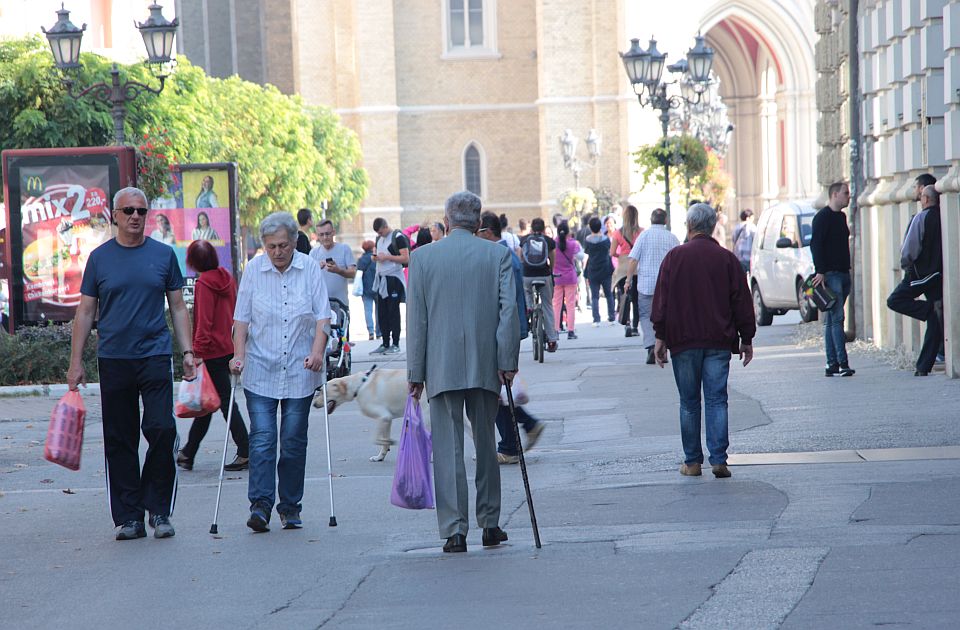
x,y
576,203
695,173
289,155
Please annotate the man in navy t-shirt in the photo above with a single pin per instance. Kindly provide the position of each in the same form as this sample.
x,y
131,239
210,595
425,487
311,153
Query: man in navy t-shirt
x,y
127,280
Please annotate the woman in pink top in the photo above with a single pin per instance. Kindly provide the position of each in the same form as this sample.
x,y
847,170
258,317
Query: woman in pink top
x,y
621,242
565,277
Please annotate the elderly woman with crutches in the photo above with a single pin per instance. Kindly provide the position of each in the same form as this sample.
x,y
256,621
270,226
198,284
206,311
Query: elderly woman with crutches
x,y
280,336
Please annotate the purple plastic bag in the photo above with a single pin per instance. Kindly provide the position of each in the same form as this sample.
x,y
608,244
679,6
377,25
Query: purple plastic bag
x,y
412,482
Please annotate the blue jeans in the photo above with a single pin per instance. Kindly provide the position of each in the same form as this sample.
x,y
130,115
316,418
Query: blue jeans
x,y
595,286
834,338
264,467
368,304
707,369
508,436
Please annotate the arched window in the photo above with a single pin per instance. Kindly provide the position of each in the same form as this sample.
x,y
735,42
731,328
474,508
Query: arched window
x,y
472,170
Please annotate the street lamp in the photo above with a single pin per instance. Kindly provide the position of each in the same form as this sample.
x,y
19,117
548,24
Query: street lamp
x,y
705,120
568,146
158,33
644,68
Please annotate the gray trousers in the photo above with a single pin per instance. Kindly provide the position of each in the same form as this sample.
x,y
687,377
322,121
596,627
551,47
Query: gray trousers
x,y
645,303
449,473
546,298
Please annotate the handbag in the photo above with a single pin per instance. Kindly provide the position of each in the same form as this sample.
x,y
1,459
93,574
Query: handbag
x,y
412,485
821,296
65,433
198,396
358,287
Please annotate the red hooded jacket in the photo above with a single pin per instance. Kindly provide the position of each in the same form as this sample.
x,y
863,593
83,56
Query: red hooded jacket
x,y
214,299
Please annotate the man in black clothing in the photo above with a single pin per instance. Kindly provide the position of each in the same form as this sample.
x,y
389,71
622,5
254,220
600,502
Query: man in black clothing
x,y
921,258
830,247
305,219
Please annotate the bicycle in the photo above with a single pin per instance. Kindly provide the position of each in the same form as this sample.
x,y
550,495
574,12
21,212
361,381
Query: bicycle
x,y
537,327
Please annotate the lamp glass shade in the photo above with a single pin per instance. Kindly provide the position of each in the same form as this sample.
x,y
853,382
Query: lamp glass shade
x,y
64,39
635,62
158,34
568,144
593,143
700,61
687,90
656,64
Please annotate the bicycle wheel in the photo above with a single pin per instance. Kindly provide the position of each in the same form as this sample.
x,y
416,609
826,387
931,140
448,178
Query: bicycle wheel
x,y
535,328
541,337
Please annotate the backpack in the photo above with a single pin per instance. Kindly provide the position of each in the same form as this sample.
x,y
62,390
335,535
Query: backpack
x,y
394,247
535,250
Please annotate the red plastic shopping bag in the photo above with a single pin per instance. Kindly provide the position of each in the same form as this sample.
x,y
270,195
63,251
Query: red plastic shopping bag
x,y
412,482
197,397
65,433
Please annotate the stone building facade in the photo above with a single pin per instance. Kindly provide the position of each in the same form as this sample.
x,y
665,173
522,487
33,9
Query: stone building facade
x,y
909,99
450,94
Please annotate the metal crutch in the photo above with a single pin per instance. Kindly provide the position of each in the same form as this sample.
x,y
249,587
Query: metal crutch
x,y
326,422
523,468
223,459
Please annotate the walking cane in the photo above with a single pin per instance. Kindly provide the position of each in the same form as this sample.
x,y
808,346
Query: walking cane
x,y
523,468
326,422
223,459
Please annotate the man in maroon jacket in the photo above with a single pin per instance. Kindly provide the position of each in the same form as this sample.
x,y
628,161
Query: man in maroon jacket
x,y
702,313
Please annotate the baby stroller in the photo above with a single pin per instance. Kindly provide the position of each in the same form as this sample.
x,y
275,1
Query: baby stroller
x,y
339,360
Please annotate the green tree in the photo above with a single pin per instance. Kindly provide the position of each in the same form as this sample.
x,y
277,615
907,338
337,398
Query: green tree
x,y
685,156
289,155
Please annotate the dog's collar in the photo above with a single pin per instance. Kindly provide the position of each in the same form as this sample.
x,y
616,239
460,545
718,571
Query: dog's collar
x,y
363,381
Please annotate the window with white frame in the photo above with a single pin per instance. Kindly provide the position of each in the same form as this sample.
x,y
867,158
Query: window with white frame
x,y
469,28
473,170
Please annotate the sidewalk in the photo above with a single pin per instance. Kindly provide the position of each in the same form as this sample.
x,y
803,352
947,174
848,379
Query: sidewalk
x,y
628,542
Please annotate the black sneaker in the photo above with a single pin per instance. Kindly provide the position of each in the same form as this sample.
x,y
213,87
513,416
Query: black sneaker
x,y
132,530
571,335
628,332
832,370
184,462
259,520
238,463
161,527
651,358
291,520
846,370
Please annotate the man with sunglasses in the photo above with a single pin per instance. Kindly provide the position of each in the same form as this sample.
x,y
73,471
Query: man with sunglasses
x,y
126,281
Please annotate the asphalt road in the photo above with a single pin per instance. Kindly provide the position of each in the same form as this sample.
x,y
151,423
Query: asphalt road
x,y
628,542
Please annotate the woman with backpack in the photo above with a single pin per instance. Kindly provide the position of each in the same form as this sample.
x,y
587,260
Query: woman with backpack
x,y
621,242
565,289
599,270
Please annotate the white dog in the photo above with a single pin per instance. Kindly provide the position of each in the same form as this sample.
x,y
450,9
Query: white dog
x,y
381,394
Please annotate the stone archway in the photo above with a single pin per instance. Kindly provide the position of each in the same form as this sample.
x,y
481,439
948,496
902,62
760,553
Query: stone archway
x,y
765,62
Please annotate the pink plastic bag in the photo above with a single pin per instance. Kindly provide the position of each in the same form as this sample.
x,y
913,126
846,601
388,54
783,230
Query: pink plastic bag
x,y
65,433
412,482
197,397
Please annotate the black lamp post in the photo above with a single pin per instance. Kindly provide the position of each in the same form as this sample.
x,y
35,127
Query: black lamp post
x,y
645,68
158,34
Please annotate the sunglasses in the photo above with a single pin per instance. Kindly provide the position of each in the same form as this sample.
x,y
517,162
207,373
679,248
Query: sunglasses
x,y
129,211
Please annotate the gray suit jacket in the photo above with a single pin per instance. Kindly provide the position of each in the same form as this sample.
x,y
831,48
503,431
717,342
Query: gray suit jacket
x,y
462,322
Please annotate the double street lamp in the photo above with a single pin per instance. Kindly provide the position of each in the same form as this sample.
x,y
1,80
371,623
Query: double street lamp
x,y
65,38
568,145
707,120
645,70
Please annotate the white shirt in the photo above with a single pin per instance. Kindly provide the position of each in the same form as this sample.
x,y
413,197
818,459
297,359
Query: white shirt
x,y
649,250
512,241
282,310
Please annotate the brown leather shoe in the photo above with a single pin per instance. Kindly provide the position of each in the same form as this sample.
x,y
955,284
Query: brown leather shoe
x,y
238,463
690,470
720,471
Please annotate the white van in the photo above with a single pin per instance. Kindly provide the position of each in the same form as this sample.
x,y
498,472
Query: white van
x,y
780,261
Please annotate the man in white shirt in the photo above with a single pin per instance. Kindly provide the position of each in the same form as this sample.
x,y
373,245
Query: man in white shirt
x,y
337,263
648,252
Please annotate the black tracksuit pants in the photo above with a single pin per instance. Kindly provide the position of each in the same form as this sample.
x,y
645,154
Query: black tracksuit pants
x,y
904,300
219,370
123,383
388,311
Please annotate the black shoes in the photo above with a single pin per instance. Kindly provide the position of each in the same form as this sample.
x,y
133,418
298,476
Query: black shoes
x,y
291,520
651,358
184,462
132,530
161,526
259,520
493,536
846,370
571,335
839,370
455,544
921,373
628,332
238,463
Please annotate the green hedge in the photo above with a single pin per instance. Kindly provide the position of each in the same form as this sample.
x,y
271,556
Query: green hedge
x,y
38,355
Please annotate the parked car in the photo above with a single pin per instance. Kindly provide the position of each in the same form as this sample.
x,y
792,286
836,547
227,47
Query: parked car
x,y
781,261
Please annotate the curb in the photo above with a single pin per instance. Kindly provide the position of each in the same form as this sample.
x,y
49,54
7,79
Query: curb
x,y
53,389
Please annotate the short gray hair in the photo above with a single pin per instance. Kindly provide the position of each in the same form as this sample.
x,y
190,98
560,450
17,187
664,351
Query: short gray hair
x,y
279,221
701,219
130,191
463,210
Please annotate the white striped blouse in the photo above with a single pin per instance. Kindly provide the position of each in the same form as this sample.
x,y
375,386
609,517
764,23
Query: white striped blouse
x,y
282,310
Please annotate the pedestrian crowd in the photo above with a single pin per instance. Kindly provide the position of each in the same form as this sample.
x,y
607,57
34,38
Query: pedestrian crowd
x,y
467,280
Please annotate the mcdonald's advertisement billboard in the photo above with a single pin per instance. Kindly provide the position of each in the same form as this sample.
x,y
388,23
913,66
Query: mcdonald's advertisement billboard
x,y
61,204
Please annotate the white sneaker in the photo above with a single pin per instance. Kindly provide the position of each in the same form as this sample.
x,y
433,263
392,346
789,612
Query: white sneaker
x,y
596,324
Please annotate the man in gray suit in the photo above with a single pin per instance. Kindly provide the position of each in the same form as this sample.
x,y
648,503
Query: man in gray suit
x,y
463,341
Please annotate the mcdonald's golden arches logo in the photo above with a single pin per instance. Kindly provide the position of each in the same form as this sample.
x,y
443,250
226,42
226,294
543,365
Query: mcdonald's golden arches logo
x,y
33,185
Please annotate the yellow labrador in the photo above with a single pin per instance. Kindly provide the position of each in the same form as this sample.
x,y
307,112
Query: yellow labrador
x,y
381,394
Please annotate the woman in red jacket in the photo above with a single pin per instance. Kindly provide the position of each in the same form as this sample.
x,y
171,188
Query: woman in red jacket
x,y
214,298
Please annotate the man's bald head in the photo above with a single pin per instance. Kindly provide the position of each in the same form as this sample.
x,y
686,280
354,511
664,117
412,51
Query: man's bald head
x,y
929,197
